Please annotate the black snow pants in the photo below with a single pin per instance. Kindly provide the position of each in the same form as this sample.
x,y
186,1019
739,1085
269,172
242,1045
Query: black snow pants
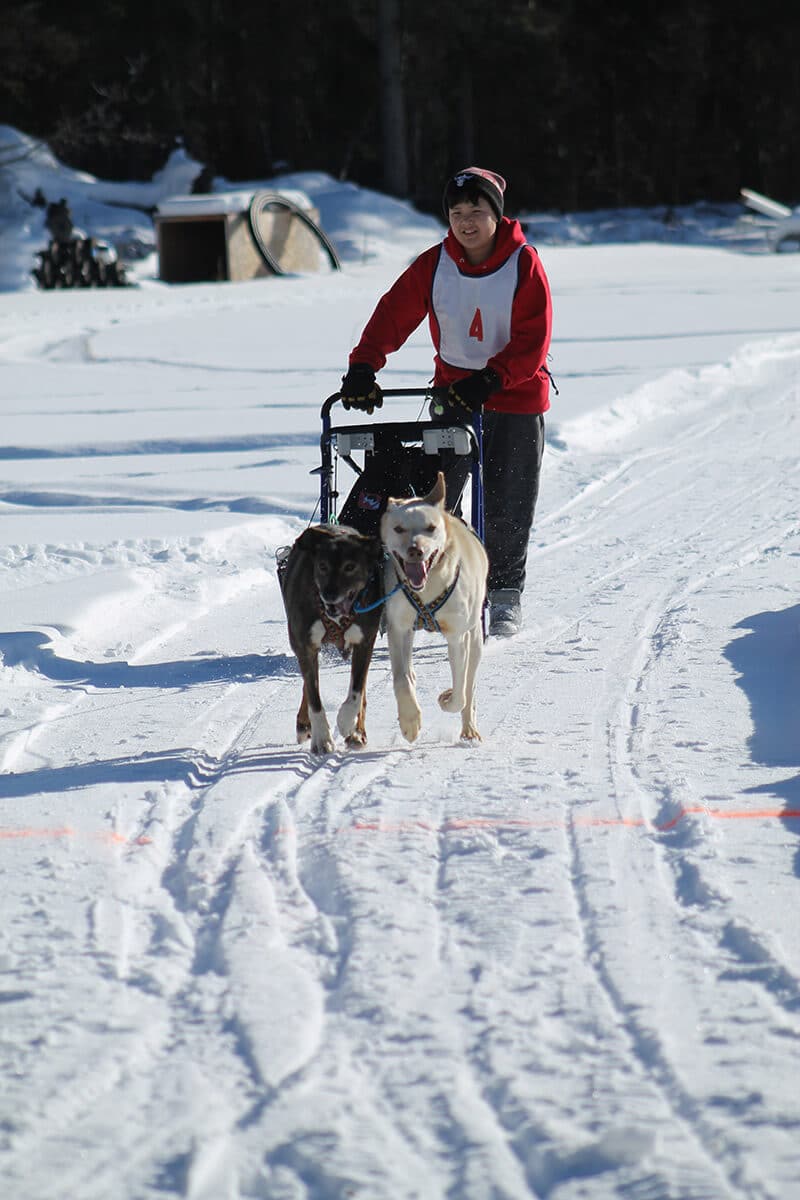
x,y
513,444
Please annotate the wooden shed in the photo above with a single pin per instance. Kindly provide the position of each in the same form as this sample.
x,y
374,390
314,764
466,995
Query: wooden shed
x,y
239,235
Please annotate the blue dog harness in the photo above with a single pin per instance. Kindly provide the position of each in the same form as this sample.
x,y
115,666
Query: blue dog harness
x,y
426,613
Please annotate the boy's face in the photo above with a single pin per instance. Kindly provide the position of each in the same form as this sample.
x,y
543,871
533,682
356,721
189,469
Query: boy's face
x,y
474,225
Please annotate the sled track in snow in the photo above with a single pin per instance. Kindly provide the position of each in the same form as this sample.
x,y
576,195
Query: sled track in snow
x,y
315,942
646,790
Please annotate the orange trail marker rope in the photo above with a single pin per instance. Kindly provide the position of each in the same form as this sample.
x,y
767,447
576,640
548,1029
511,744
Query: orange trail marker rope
x,y
454,824
110,836
450,825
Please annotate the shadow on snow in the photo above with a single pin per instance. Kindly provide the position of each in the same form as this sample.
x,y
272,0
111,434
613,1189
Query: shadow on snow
x,y
767,662
32,651
185,765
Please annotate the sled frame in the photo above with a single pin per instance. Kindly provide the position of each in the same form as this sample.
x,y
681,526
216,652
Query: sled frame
x,y
339,441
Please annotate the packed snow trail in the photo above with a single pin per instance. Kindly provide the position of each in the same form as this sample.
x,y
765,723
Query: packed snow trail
x,y
561,964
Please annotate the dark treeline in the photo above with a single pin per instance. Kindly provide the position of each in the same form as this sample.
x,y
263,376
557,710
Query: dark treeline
x,y
581,103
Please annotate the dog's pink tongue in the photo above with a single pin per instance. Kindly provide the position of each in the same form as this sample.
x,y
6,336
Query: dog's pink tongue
x,y
415,573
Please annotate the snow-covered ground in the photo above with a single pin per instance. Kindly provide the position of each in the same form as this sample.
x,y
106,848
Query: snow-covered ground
x,y
562,964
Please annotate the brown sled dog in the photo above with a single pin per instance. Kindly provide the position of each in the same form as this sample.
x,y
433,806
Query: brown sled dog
x,y
330,574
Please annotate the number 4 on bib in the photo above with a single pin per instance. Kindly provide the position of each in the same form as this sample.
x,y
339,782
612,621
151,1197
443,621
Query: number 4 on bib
x,y
476,328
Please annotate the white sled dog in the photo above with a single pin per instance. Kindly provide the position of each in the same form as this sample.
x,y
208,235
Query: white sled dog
x,y
435,579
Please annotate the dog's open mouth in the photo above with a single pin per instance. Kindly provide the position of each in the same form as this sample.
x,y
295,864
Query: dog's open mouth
x,y
339,609
416,570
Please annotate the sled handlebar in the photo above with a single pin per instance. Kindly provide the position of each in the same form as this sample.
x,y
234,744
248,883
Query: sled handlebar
x,y
434,393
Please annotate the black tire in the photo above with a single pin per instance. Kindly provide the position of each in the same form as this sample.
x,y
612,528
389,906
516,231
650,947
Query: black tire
x,y
45,273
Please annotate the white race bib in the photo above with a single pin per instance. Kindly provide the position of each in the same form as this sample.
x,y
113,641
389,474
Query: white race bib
x,y
473,312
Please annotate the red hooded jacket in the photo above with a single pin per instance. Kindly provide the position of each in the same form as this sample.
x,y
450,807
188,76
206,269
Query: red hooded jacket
x,y
525,320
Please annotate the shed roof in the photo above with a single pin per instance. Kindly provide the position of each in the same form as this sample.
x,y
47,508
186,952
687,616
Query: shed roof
x,y
213,204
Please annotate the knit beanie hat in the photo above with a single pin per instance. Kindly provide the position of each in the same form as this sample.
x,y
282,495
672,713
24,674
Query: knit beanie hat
x,y
475,181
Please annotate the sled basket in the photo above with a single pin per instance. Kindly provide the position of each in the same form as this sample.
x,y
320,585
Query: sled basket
x,y
399,459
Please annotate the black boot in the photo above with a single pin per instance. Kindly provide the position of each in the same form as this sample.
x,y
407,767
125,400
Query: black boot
x,y
505,613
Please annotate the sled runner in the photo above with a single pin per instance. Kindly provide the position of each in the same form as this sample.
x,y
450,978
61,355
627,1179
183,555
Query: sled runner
x,y
400,459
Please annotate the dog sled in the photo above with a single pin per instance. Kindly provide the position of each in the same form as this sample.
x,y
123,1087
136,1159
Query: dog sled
x,y
399,459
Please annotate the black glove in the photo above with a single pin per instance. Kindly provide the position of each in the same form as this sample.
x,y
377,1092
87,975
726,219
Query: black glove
x,y
359,389
472,392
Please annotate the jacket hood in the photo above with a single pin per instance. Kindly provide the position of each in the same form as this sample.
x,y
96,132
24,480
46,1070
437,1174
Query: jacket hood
x,y
509,236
